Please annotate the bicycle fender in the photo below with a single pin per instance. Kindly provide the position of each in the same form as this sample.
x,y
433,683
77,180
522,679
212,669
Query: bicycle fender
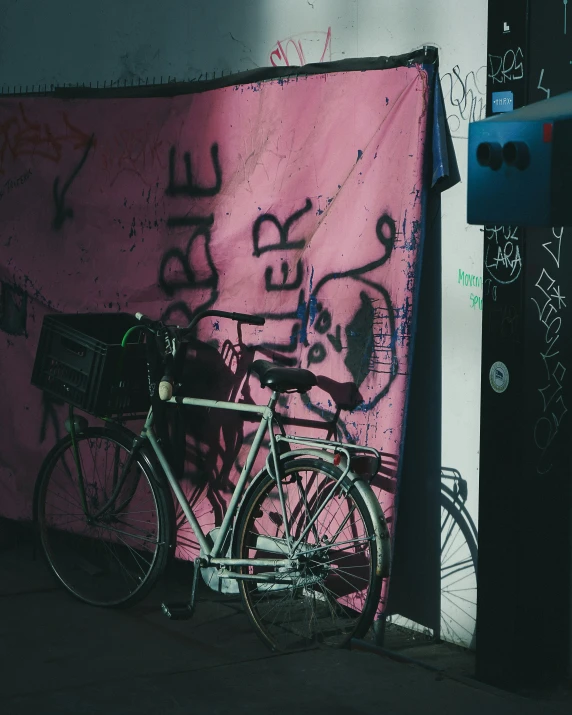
x,y
379,523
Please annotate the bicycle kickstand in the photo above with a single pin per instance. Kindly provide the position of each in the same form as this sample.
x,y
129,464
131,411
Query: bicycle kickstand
x,y
182,611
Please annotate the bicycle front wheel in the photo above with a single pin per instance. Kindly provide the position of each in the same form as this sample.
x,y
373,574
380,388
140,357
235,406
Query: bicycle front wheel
x,y
331,595
108,542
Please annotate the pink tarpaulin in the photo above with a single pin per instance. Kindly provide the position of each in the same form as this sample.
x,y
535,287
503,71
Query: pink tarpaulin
x,y
296,199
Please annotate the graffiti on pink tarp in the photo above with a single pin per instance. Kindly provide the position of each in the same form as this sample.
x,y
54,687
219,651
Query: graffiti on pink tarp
x,y
302,49
294,199
26,135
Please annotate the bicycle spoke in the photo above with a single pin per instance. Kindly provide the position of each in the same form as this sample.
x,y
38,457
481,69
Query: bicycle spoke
x,y
460,624
137,558
106,527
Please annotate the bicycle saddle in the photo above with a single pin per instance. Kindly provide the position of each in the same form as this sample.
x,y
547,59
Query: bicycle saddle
x,y
283,379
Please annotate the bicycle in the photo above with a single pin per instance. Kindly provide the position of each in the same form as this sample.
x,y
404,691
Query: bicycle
x,y
305,538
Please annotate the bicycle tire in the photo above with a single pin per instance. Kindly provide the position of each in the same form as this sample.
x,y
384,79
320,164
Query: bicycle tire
x,y
116,560
313,610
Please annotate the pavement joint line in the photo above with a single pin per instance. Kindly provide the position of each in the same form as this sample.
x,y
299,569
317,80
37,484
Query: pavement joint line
x,y
161,674
33,592
441,671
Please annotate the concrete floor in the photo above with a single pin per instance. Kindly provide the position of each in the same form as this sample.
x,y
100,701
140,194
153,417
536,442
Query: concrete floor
x,y
58,656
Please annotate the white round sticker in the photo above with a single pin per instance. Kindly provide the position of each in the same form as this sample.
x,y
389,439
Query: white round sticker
x,y
498,376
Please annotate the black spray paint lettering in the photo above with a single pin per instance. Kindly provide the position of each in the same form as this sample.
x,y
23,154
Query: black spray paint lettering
x,y
175,258
176,271
370,336
191,187
64,212
283,244
323,324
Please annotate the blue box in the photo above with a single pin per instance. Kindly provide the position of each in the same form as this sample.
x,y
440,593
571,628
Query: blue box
x,y
520,166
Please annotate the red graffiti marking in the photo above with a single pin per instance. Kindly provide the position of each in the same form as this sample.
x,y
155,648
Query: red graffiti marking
x,y
312,41
134,151
21,136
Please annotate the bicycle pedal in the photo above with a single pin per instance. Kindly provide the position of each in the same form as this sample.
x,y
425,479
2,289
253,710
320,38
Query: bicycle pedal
x,y
177,611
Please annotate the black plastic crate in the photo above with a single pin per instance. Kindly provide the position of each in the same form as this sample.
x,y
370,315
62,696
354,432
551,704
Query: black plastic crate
x,y
81,361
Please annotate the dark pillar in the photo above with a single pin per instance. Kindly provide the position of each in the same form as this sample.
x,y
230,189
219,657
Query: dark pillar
x,y
524,594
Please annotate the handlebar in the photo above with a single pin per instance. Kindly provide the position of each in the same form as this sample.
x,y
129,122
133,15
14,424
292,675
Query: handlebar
x,y
164,333
239,317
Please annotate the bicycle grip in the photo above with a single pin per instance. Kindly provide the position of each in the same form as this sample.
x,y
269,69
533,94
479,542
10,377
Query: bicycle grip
x,y
165,388
144,320
245,318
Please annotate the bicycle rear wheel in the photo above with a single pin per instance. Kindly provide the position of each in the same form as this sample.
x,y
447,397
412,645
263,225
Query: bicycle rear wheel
x,y
333,593
112,559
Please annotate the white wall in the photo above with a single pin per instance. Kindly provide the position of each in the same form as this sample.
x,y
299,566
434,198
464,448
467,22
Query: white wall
x,y
67,41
